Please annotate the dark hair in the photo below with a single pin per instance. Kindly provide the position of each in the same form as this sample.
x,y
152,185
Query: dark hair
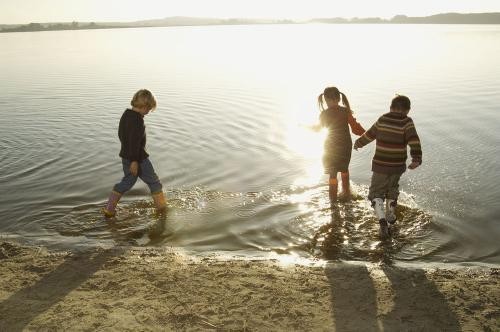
x,y
333,93
401,103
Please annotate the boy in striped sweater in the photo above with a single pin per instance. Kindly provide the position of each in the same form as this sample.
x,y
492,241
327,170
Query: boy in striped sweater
x,y
393,131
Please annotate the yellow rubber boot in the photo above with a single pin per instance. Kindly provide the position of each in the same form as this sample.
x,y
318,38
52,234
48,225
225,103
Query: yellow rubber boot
x,y
160,202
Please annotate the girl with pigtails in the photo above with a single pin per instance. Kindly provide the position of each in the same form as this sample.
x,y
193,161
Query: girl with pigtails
x,y
338,144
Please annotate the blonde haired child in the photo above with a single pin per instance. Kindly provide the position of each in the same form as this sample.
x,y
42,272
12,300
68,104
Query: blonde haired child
x,y
135,161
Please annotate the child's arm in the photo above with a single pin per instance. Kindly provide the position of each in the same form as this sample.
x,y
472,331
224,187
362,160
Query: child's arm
x,y
315,127
319,125
412,139
356,128
135,133
367,137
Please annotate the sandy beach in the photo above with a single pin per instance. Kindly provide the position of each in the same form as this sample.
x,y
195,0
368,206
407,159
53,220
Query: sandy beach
x,y
138,289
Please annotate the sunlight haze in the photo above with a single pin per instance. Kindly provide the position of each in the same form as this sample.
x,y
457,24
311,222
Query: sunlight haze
x,y
20,12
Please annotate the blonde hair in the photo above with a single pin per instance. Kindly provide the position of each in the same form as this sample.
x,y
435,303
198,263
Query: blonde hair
x,y
143,99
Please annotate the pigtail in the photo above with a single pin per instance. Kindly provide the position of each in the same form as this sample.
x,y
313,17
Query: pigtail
x,y
320,103
345,102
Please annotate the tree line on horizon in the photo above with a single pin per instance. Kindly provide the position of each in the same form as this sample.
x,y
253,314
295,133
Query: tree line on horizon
x,y
53,27
450,18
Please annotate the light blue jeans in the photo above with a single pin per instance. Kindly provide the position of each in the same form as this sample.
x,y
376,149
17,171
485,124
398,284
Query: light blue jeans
x,y
146,173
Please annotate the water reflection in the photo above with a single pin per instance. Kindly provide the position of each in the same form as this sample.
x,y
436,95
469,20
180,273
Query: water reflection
x,y
295,222
231,136
136,223
351,233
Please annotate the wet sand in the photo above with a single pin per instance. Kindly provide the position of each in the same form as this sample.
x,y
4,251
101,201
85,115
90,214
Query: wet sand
x,y
137,289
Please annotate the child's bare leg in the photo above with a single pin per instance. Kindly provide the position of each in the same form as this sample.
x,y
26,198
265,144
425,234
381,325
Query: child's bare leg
x,y
346,187
332,187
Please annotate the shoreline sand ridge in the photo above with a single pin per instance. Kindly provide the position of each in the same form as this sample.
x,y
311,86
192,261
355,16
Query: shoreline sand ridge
x,y
150,289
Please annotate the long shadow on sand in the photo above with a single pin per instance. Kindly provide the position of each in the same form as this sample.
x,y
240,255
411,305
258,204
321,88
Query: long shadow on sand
x,y
391,299
396,300
418,304
22,307
354,304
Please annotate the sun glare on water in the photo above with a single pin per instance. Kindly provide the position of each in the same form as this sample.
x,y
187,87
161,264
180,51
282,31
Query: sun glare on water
x,y
304,138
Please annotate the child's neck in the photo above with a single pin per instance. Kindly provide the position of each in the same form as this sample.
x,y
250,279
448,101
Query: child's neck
x,y
138,110
398,111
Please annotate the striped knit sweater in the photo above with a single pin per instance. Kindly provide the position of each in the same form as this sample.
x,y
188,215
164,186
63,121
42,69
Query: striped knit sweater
x,y
393,131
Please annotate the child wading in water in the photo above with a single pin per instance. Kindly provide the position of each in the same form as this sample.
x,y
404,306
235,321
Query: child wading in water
x,y
393,131
338,144
132,134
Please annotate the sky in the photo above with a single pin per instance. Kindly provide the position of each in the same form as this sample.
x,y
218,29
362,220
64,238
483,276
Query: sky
x,y
26,11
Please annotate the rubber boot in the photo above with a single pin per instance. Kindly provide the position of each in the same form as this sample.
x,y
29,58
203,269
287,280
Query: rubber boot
x,y
160,202
390,210
332,189
109,210
378,207
384,229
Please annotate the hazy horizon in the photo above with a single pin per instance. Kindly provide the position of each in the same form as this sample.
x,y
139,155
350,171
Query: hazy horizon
x,y
15,12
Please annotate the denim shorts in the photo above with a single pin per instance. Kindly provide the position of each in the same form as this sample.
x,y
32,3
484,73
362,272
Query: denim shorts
x,y
146,173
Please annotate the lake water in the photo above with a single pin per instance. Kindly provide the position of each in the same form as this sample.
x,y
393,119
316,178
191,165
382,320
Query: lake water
x,y
230,142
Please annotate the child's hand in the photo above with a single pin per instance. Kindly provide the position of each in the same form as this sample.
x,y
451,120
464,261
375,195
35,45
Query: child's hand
x,y
134,168
315,127
413,165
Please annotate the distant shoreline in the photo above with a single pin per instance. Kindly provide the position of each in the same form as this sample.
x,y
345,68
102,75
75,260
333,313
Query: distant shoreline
x,y
449,18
